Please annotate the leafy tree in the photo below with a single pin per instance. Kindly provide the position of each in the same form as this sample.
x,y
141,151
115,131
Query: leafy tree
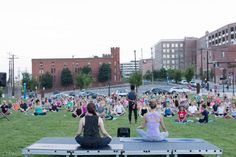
x,y
156,74
86,69
26,79
33,83
66,77
46,80
189,73
136,79
177,75
83,80
104,72
1,92
163,73
148,75
170,73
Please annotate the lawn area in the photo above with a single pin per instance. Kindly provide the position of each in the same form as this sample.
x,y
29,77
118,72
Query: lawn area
x,y
23,130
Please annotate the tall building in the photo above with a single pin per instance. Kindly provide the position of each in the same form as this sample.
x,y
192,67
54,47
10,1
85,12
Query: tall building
x,y
175,53
220,45
55,65
128,68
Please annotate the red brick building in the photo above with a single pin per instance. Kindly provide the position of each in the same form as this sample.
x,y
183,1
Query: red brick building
x,y
55,65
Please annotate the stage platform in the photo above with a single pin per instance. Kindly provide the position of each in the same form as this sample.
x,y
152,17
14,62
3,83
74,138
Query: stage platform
x,y
67,146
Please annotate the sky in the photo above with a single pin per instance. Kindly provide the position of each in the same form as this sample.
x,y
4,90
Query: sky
x,y
85,28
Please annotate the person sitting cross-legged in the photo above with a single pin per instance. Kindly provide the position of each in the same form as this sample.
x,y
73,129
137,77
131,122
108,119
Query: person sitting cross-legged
x,y
89,126
152,120
38,109
182,115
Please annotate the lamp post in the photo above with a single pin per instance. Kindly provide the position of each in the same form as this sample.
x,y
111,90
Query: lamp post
x,y
233,81
152,65
207,79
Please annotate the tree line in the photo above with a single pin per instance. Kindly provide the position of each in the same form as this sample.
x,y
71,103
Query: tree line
x,y
83,78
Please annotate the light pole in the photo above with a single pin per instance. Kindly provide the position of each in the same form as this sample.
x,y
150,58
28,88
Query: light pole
x,y
152,65
207,79
233,81
135,64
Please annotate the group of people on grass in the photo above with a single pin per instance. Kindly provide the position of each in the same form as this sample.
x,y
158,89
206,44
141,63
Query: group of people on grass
x,y
152,108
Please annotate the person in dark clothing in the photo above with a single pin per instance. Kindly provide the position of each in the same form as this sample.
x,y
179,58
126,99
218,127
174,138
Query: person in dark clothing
x,y
205,114
90,125
132,97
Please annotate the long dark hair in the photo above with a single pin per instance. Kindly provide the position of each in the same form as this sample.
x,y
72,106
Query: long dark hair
x,y
91,108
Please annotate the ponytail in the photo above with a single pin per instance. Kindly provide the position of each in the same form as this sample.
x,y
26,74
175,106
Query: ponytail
x,y
91,108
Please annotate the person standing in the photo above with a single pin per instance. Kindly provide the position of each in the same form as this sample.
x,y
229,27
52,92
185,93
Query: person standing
x,y
132,99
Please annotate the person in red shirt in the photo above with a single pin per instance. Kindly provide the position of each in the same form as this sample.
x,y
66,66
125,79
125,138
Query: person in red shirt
x,y
182,115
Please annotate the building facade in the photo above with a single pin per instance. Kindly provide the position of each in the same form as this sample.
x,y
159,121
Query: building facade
x,y
128,68
220,45
55,65
175,53
146,65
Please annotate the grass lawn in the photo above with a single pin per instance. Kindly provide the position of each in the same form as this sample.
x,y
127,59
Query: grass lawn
x,y
23,130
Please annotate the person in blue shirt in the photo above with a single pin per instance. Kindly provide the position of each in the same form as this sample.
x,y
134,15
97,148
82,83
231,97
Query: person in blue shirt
x,y
132,99
38,109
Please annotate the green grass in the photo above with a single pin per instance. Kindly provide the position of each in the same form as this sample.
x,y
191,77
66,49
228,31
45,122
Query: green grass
x,y
23,130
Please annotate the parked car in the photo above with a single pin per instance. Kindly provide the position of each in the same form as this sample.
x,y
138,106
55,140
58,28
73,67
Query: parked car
x,y
183,82
122,92
179,90
155,91
193,84
72,94
59,95
88,94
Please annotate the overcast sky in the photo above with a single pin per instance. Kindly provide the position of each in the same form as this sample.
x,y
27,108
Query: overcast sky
x,y
83,28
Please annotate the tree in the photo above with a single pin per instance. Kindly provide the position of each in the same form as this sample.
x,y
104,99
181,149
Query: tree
x,y
170,73
177,75
26,77
83,80
156,74
66,77
136,79
86,69
33,83
104,72
189,73
163,73
46,80
148,75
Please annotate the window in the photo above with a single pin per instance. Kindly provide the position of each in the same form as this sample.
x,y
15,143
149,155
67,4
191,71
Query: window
x,y
223,55
232,29
226,30
223,32
164,50
167,45
163,45
232,36
173,61
168,62
172,45
164,56
167,50
173,56
172,50
181,45
223,39
167,56
176,45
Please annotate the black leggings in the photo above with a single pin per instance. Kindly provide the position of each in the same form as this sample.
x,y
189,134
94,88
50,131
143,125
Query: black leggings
x,y
133,107
39,114
92,142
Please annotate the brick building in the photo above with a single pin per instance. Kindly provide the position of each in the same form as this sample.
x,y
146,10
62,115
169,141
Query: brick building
x,y
55,65
146,65
221,47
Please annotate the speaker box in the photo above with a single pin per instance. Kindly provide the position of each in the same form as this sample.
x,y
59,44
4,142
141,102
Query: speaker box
x,y
123,132
3,79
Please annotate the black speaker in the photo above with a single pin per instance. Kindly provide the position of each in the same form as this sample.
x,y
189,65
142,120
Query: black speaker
x,y
123,132
3,79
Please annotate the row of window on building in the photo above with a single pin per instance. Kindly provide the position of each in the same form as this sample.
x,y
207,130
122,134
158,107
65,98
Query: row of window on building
x,y
172,45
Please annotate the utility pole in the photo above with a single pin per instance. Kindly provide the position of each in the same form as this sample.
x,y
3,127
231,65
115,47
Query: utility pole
x,y
207,79
201,64
152,65
135,64
12,72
